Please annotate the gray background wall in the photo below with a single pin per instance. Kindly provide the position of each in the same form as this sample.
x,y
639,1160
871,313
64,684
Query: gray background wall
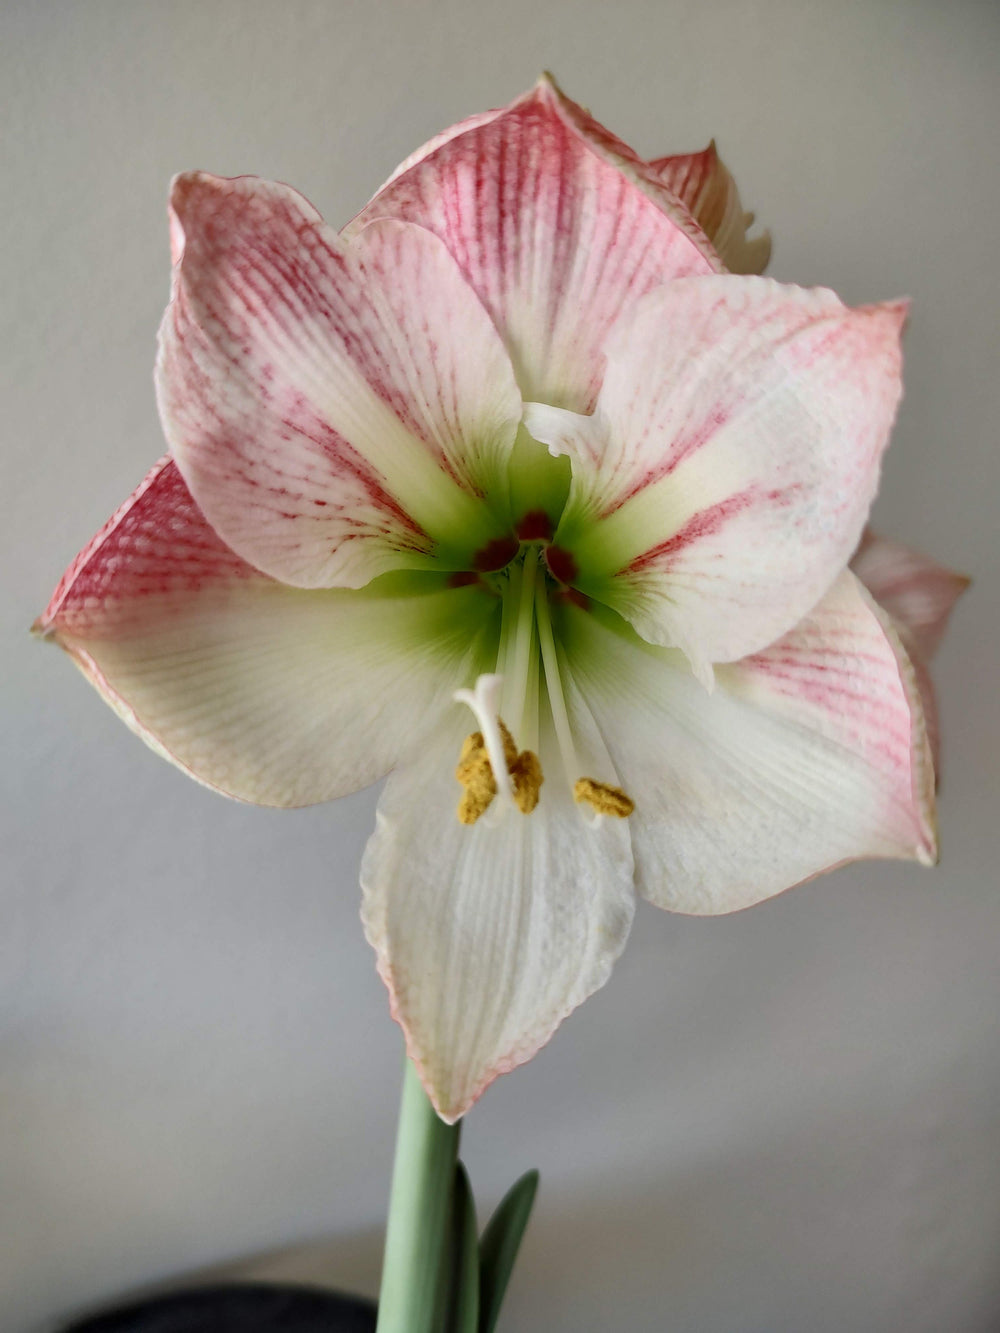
x,y
784,1120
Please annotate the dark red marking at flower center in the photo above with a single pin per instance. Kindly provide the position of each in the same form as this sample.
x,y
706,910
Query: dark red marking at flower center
x,y
575,598
496,554
462,578
561,564
536,526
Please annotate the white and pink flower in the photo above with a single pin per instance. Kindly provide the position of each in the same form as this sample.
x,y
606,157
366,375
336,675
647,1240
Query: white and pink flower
x,y
521,433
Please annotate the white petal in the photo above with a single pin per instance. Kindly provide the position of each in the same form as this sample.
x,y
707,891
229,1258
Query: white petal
x,y
337,410
725,476
918,593
810,754
488,936
271,694
557,226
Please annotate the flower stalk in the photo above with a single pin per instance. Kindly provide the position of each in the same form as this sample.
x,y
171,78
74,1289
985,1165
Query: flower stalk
x,y
419,1209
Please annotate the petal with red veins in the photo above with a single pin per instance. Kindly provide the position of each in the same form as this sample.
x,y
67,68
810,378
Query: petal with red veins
x,y
726,474
704,183
557,226
918,593
271,694
488,936
807,755
433,144
337,409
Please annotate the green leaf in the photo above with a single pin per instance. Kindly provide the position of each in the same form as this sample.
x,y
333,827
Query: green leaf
x,y
499,1246
463,1313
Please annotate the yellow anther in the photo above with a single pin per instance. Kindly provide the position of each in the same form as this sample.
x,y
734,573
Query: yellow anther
x,y
475,772
603,797
476,776
472,805
526,774
472,757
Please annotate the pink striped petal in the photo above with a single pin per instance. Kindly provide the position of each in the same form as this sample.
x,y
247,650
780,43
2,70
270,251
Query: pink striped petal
x,y
807,755
705,185
726,475
270,694
558,227
918,593
433,144
337,410
488,936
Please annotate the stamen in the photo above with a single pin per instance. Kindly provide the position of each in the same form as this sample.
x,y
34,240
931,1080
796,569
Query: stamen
x,y
520,660
526,771
603,797
553,682
476,776
489,763
483,702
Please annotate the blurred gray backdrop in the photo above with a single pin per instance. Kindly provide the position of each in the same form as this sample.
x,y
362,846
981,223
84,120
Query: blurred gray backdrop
x,y
783,1120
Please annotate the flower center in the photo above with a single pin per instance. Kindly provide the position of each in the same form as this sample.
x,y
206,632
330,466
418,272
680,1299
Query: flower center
x,y
492,768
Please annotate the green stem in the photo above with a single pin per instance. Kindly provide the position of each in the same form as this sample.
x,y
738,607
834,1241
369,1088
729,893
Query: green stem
x,y
419,1207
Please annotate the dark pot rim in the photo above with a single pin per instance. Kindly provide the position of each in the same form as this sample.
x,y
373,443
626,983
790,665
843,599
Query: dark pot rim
x,y
236,1307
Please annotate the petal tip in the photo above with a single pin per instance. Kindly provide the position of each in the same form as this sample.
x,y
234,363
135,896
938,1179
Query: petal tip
x,y
961,583
928,853
187,189
187,186
890,316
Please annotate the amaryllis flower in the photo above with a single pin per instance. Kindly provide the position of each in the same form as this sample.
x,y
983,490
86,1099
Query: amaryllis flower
x,y
516,442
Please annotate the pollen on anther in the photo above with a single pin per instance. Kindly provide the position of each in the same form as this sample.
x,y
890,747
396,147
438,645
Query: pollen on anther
x,y
604,798
475,772
526,774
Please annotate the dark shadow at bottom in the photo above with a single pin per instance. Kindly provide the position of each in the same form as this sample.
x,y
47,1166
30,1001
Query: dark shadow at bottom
x,y
237,1308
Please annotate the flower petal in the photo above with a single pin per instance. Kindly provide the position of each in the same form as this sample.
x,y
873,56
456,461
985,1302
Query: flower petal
x,y
805,756
271,694
725,477
704,183
918,593
488,936
432,145
557,226
337,410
